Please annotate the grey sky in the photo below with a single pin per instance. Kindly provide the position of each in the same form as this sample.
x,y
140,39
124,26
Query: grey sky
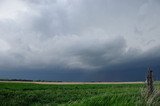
x,y
85,35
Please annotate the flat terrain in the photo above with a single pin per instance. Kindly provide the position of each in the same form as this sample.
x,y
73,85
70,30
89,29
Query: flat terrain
x,y
71,94
34,82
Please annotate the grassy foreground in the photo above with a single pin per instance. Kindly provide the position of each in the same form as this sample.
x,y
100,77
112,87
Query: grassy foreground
x,y
28,94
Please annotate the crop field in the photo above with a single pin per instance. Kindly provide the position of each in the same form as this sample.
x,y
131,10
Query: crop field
x,y
31,94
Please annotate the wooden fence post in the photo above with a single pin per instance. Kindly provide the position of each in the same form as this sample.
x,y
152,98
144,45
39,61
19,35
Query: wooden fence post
x,y
150,87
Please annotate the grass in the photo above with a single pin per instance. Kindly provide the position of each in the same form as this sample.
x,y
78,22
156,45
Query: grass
x,y
28,94
111,100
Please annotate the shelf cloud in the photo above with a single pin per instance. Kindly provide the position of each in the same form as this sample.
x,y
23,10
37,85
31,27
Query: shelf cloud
x,y
90,39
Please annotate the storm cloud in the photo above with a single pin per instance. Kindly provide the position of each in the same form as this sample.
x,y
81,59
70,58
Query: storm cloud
x,y
79,40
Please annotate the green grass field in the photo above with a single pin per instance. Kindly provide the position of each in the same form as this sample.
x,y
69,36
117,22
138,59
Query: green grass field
x,y
28,94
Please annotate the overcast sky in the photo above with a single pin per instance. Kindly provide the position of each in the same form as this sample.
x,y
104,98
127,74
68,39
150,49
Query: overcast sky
x,y
79,40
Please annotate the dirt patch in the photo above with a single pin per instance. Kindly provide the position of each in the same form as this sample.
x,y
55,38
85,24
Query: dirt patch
x,y
88,82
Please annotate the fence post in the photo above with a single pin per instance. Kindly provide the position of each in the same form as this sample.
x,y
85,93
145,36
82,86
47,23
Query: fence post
x,y
150,87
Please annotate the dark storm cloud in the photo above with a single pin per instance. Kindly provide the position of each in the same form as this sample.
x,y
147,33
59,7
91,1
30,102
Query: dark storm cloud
x,y
79,38
135,69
